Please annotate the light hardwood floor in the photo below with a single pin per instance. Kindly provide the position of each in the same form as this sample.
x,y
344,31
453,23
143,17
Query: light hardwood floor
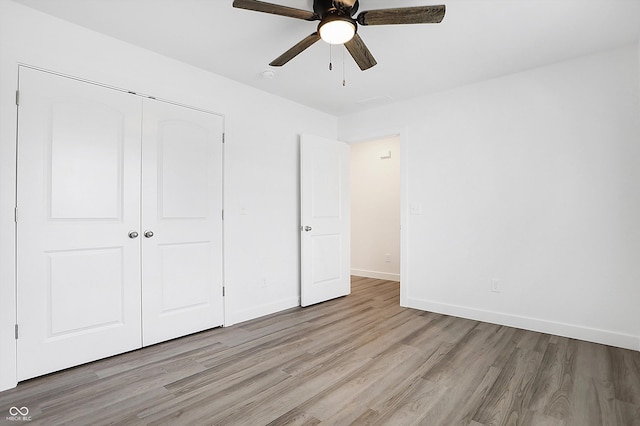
x,y
361,360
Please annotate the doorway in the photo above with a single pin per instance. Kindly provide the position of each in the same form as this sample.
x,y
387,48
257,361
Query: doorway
x,y
375,208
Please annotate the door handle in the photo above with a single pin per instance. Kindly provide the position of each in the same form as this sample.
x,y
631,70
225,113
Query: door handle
x,y
133,234
148,234
307,228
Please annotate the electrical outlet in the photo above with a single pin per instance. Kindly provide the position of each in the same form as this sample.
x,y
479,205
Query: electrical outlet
x,y
387,258
495,285
415,208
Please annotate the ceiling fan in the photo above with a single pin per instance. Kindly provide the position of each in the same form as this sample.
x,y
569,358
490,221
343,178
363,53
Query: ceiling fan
x,y
338,25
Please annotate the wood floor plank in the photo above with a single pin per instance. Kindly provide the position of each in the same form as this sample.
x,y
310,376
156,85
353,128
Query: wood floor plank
x,y
560,403
372,403
626,414
412,409
335,397
592,402
360,359
625,369
462,405
264,407
504,403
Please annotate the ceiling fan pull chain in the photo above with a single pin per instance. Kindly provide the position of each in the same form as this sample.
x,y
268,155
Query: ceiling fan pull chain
x,y
344,78
330,58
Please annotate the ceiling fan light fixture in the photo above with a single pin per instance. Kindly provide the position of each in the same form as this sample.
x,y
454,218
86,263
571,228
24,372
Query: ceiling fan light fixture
x,y
339,26
336,29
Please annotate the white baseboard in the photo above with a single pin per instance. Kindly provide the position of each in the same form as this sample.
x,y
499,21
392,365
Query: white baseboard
x,y
374,274
260,311
595,335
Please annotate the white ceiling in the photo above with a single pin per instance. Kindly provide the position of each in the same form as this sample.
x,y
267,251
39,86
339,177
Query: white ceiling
x,y
477,40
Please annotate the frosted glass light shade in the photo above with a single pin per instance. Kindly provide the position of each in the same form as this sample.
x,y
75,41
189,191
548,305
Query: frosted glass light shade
x,y
337,31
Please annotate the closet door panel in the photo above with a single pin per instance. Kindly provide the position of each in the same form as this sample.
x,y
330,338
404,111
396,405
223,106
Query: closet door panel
x,y
182,208
78,198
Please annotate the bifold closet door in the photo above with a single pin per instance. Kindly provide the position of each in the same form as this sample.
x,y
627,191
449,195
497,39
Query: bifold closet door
x,y
78,198
182,221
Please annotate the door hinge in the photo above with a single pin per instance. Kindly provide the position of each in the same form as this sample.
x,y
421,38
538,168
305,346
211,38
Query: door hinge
x,y
17,97
222,293
223,138
222,214
15,214
16,330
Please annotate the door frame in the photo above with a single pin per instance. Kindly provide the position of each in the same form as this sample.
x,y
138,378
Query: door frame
x,y
402,134
8,200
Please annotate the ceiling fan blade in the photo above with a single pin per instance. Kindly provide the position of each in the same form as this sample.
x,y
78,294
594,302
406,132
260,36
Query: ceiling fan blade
x,y
295,50
275,9
360,53
403,15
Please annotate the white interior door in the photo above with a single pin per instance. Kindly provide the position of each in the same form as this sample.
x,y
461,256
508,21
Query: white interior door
x,y
78,199
324,213
182,208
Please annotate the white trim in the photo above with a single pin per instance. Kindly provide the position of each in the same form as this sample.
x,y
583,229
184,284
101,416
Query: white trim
x,y
595,335
375,274
8,315
119,89
404,214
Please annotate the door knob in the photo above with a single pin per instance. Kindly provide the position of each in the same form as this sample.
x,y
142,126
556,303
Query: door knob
x,y
307,228
148,234
133,234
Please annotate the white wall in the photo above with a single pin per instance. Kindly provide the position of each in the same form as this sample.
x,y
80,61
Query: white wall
x,y
261,157
531,179
375,209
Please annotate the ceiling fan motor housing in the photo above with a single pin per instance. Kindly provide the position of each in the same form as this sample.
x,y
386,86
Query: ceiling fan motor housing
x,y
323,8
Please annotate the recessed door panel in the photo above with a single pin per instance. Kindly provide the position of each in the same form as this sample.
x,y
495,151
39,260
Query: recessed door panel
x,y
186,276
85,289
326,190
182,208
183,169
85,148
326,259
78,198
